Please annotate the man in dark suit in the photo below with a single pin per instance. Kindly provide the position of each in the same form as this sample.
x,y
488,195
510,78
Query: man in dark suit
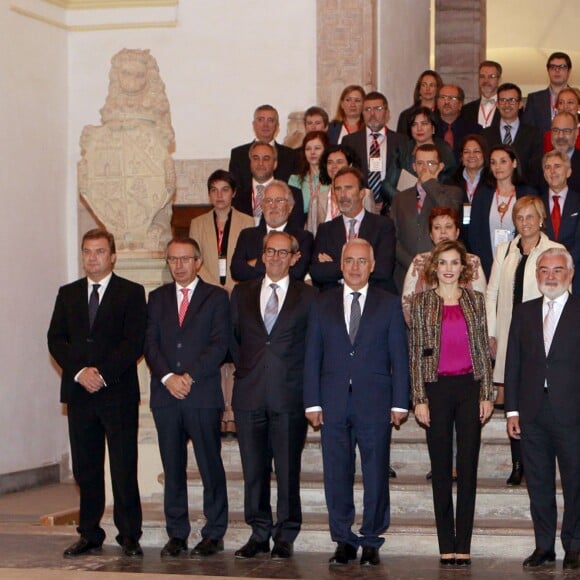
x,y
541,105
96,336
269,317
542,402
411,208
354,221
188,329
484,111
562,207
356,385
376,144
265,125
525,139
277,206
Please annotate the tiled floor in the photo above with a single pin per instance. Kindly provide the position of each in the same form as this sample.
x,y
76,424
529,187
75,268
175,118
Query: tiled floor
x,y
28,550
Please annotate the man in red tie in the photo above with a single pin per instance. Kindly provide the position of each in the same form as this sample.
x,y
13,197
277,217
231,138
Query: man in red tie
x,y
562,205
188,329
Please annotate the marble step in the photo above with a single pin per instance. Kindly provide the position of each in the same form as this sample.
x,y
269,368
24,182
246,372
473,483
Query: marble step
x,y
407,535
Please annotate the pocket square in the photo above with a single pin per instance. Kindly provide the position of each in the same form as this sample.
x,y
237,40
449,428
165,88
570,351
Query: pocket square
x,y
573,214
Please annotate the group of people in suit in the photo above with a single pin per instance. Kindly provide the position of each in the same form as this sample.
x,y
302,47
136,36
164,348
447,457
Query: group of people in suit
x,y
339,358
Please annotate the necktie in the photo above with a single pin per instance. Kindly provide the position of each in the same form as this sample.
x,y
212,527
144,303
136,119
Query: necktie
x,y
507,140
258,201
374,179
556,216
93,304
549,326
271,312
355,315
448,137
351,231
184,305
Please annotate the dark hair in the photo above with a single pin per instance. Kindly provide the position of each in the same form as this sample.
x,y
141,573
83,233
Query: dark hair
x,y
303,164
426,73
339,116
482,142
312,111
294,246
492,63
376,96
100,234
429,148
446,246
352,171
351,160
414,113
460,92
510,87
560,55
516,175
221,175
442,210
185,240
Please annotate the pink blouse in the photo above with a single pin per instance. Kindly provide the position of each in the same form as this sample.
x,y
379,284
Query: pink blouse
x,y
454,356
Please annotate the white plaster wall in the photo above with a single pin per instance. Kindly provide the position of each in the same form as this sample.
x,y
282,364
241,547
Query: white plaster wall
x,y
403,50
33,248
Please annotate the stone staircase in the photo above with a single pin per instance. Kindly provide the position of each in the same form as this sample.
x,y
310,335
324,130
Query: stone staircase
x,y
502,521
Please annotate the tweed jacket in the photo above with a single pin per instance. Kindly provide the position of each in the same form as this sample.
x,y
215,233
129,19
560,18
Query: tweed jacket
x,y
425,341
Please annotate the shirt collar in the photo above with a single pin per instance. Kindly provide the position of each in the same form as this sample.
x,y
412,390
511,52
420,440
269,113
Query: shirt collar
x,y
191,286
347,290
276,229
282,284
358,217
103,283
560,301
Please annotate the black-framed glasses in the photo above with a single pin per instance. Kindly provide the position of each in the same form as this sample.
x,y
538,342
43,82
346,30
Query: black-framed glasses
x,y
271,252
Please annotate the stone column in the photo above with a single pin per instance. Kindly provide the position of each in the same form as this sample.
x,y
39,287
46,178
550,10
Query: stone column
x,y
460,42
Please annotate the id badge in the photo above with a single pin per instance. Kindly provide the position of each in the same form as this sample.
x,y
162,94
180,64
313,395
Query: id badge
x,y
222,264
501,236
466,214
376,164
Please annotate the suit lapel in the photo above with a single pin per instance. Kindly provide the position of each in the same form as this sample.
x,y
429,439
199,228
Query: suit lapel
x,y
564,328
105,305
368,313
288,309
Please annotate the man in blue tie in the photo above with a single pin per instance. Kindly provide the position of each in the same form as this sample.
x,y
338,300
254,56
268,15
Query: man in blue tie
x,y
269,318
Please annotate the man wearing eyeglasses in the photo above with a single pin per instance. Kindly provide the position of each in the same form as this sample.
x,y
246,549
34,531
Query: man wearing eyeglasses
x,y
269,321
484,111
376,144
188,329
525,139
277,205
541,106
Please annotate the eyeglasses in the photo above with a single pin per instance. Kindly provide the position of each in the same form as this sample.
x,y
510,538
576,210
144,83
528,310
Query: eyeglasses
x,y
360,261
376,109
271,252
429,163
448,98
557,131
511,100
558,66
491,76
272,200
172,260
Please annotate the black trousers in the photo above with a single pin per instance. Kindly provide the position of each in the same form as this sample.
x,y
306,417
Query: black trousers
x,y
176,424
263,434
454,404
89,427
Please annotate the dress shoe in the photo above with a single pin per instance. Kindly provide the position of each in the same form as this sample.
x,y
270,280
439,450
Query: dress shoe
x,y
539,557
174,548
370,556
392,473
251,548
282,550
447,561
82,546
208,547
571,560
463,562
131,547
515,477
343,554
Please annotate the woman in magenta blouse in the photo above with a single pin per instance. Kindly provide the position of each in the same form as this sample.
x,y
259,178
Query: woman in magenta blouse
x,y
452,389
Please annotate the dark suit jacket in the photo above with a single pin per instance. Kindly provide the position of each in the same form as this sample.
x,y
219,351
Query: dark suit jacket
x,y
250,247
538,111
527,366
269,367
479,235
460,128
376,365
198,347
379,231
573,180
527,144
113,346
470,113
358,143
333,132
240,167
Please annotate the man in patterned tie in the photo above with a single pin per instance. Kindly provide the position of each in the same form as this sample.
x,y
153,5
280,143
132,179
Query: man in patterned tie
x,y
188,328
96,336
542,403
269,319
